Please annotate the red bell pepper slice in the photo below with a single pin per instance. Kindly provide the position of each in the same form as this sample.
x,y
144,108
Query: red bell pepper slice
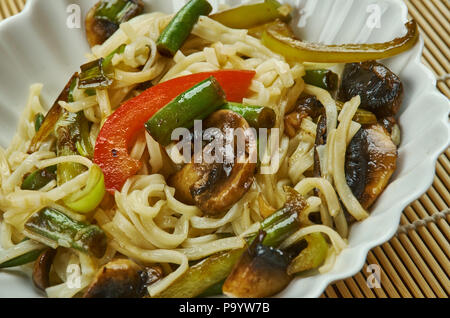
x,y
122,127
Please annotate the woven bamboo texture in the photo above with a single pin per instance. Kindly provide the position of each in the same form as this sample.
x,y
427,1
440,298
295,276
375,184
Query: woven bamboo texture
x,y
415,262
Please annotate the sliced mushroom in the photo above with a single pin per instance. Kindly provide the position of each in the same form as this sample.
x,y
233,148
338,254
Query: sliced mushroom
x,y
370,162
307,106
41,269
100,27
260,272
381,91
122,278
215,187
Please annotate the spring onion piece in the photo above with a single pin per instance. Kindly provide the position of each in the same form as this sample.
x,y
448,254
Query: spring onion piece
x,y
99,73
362,116
312,256
38,120
22,259
67,131
51,118
106,16
83,144
178,30
52,227
90,197
252,15
294,49
196,103
256,116
39,178
215,269
322,78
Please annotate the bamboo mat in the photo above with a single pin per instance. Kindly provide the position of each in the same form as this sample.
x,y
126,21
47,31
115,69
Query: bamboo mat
x,y
415,263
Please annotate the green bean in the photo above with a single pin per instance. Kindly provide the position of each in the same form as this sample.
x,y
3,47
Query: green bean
x,y
178,30
256,116
196,103
22,259
322,78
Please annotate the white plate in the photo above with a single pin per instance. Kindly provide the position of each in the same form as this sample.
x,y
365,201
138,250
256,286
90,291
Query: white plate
x,y
37,46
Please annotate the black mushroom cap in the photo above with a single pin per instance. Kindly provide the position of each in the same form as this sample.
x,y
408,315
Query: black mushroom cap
x,y
370,162
381,90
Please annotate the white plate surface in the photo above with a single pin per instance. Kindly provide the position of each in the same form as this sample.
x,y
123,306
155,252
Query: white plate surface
x,y
37,46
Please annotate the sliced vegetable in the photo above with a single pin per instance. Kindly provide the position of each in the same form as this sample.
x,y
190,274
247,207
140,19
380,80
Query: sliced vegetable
x,y
256,116
67,132
39,178
298,50
312,256
22,259
215,269
41,269
215,187
120,129
99,73
252,15
105,17
178,30
371,159
260,272
381,91
52,227
322,78
197,103
38,120
90,197
122,278
51,118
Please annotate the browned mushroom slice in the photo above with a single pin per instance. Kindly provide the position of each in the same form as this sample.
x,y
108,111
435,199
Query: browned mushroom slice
x,y
370,162
260,272
307,106
215,187
41,269
105,17
122,278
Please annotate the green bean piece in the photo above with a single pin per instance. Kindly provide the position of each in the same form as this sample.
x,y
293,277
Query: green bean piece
x,y
39,178
196,103
51,224
256,116
322,78
178,30
22,259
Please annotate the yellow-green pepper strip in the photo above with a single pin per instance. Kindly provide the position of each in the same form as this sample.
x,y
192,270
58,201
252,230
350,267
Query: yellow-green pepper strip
x,y
301,51
312,256
52,227
252,15
90,197
180,27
